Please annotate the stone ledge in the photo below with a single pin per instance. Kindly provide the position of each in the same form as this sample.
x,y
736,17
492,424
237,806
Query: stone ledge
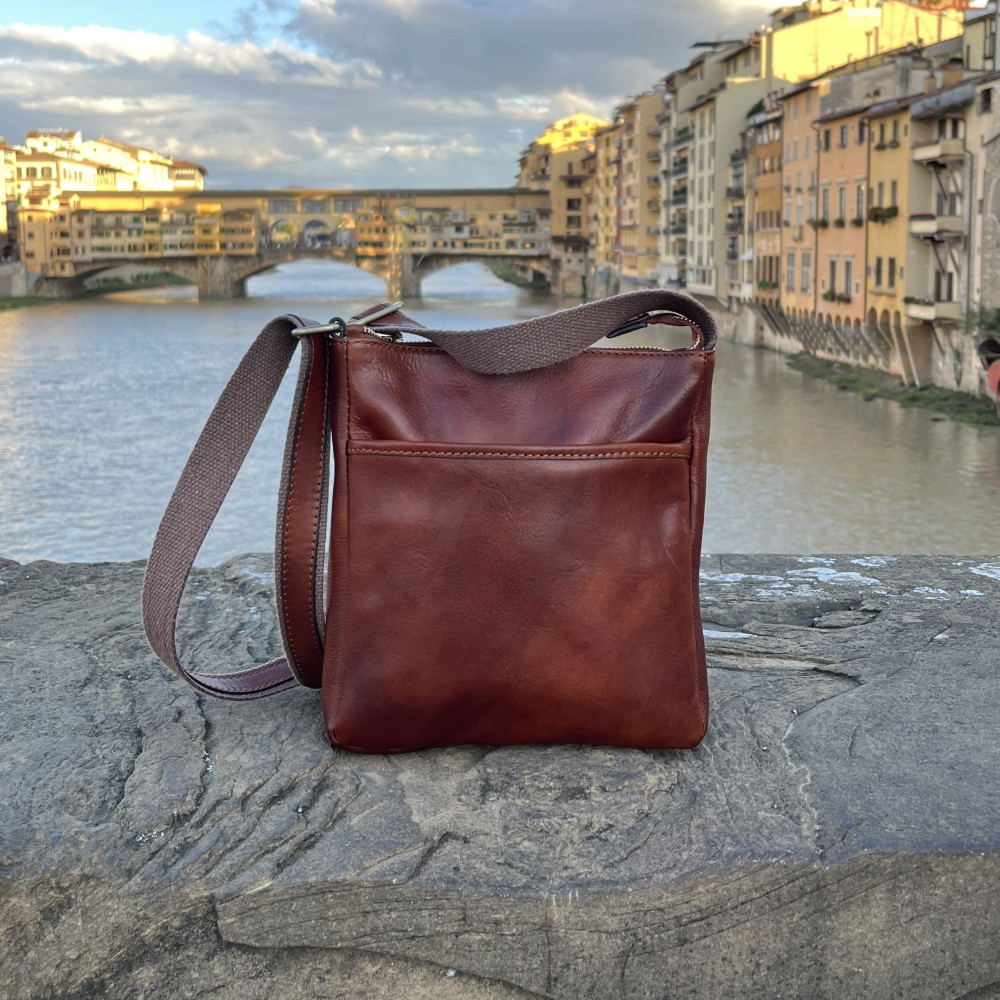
x,y
836,834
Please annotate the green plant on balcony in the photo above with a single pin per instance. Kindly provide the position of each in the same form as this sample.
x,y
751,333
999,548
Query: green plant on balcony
x,y
829,295
843,297
839,223
921,215
767,286
757,108
858,222
915,300
882,215
818,223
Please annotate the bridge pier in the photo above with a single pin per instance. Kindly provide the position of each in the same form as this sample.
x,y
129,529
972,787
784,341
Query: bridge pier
x,y
218,278
401,278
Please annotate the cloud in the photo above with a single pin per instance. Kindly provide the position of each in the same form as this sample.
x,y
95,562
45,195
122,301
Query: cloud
x,y
357,93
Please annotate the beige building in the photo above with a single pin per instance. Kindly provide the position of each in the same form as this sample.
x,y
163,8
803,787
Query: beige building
x,y
718,119
8,197
638,230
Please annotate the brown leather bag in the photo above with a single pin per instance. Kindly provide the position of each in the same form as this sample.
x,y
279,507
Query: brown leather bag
x,y
515,530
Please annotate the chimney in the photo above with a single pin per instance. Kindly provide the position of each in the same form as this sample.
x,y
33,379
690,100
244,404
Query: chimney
x,y
930,82
954,73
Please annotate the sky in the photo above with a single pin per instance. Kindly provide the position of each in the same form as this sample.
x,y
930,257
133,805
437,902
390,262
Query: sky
x,y
341,93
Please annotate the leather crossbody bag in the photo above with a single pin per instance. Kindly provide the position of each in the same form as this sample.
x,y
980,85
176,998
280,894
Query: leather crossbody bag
x,y
514,532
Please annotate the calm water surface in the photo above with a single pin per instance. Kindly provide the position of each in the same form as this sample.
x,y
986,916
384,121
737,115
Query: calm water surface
x,y
101,401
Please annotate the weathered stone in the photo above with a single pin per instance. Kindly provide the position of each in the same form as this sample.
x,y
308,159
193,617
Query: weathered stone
x,y
836,834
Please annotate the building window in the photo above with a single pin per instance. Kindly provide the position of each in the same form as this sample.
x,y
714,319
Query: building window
x,y
881,133
806,270
891,273
825,202
881,194
859,201
790,272
841,201
806,147
892,192
986,98
833,274
861,132
895,130
878,272
843,136
848,276
573,204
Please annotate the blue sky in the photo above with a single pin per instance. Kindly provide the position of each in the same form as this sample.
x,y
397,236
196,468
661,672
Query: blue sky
x,y
341,93
173,18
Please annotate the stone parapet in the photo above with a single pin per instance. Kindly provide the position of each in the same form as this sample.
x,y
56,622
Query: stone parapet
x,y
835,836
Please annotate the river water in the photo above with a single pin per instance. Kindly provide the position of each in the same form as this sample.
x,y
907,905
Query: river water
x,y
102,399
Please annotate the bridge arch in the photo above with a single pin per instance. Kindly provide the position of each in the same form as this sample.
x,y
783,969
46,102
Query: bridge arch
x,y
283,231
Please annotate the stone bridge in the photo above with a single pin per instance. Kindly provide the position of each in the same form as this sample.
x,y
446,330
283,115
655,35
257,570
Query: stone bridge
x,y
222,276
218,240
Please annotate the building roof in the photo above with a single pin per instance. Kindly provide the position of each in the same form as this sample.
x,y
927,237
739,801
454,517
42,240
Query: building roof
x,y
187,164
832,116
62,133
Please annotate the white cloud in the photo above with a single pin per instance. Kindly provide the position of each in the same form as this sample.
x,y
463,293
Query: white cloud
x,y
353,92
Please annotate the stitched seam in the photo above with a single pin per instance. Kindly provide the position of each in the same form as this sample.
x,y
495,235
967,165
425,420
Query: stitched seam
x,y
284,536
515,454
318,489
346,596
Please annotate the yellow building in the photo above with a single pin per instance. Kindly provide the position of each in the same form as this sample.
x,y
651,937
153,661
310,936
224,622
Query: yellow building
x,y
887,264
603,171
765,194
817,36
555,162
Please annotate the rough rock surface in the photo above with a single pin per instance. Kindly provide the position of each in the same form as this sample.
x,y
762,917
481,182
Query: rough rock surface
x,y
836,835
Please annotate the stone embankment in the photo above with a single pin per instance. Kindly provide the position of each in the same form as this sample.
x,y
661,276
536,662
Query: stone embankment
x,y
837,834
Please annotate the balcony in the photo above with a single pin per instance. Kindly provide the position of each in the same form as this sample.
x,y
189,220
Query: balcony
x,y
679,197
732,273
936,227
652,230
734,227
738,156
679,229
934,311
683,138
735,193
653,156
653,180
940,151
680,169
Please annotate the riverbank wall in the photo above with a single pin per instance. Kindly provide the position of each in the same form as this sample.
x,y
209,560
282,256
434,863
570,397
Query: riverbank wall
x,y
836,836
13,280
919,356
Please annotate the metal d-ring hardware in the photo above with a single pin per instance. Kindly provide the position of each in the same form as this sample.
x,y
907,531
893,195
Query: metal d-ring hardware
x,y
336,327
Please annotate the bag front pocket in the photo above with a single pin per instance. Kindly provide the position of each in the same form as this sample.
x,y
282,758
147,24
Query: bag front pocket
x,y
519,595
